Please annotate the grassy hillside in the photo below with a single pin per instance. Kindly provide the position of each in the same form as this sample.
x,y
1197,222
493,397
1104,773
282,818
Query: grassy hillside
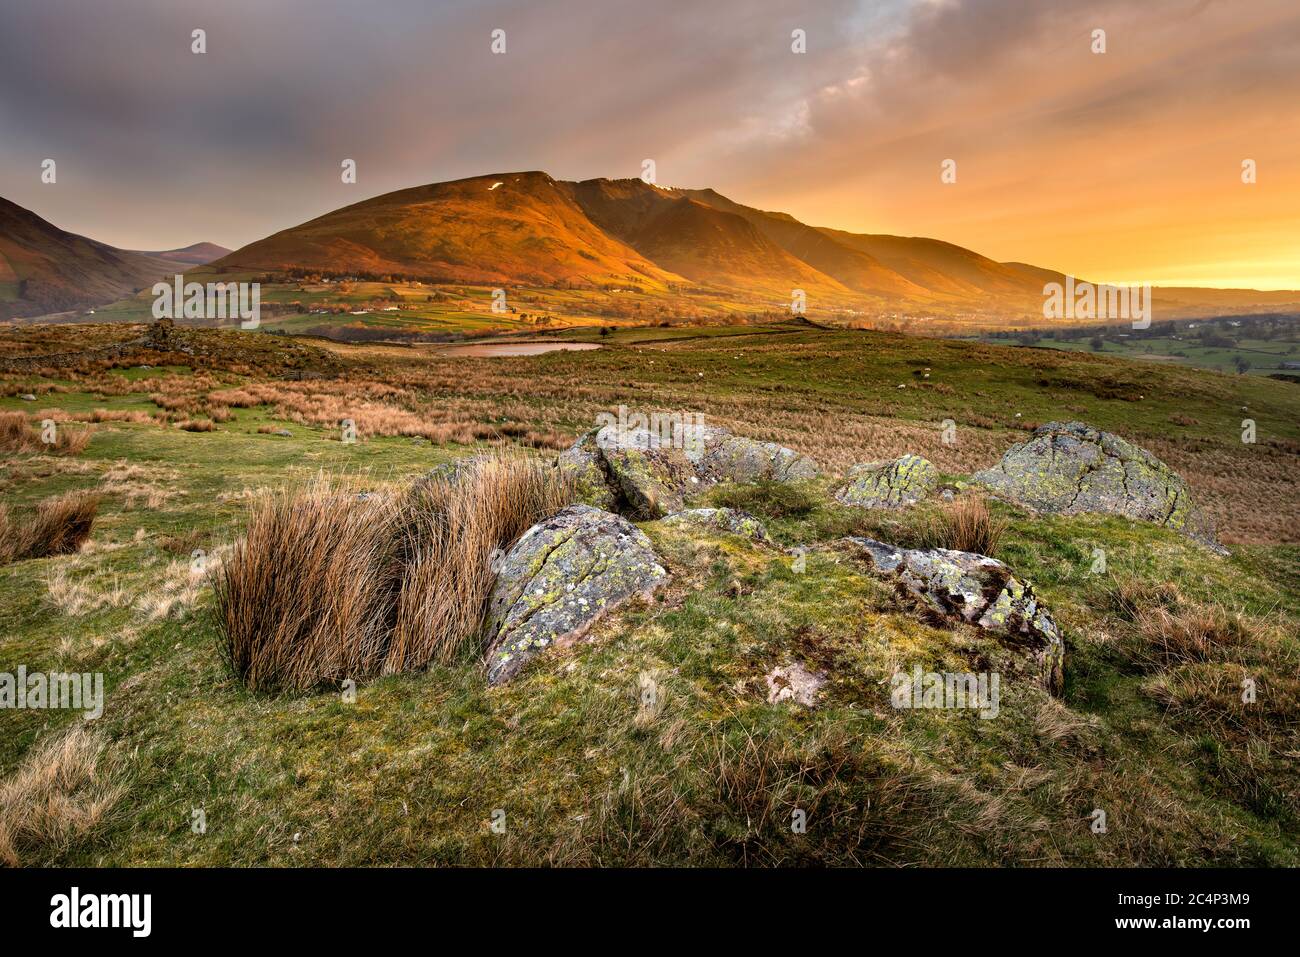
x,y
585,771
45,269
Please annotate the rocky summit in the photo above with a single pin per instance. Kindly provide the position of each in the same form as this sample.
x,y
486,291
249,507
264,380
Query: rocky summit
x,y
953,586
1072,467
559,578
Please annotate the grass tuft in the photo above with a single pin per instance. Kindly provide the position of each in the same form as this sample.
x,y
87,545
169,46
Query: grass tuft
x,y
62,789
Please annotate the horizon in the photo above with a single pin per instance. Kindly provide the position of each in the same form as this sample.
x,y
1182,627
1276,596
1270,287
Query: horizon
x,y
1124,164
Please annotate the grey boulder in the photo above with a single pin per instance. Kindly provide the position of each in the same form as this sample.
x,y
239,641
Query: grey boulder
x,y
1071,467
731,521
721,456
559,578
904,481
954,587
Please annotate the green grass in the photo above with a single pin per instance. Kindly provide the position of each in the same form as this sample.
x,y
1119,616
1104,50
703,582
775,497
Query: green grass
x,y
412,772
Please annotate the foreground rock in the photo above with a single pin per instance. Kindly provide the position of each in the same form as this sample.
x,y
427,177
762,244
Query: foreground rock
x,y
585,463
964,587
721,456
559,579
1070,468
731,521
904,481
646,474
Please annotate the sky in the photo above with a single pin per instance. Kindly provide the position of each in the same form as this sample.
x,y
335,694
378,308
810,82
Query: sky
x,y
1122,166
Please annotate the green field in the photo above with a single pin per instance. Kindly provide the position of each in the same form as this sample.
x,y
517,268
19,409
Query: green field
x,y
412,772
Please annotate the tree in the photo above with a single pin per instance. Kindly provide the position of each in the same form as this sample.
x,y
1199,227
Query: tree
x,y
1097,343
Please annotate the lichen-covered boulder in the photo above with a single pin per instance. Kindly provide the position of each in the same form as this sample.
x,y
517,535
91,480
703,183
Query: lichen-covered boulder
x,y
731,521
721,456
954,586
559,578
650,476
584,463
1071,467
904,481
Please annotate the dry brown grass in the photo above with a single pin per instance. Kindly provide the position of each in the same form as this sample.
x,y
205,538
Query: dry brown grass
x,y
1186,635
966,525
303,598
18,435
59,527
449,529
328,585
196,425
62,789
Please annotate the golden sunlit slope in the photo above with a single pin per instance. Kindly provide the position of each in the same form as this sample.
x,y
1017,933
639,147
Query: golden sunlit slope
x,y
851,267
45,269
511,228
942,268
698,241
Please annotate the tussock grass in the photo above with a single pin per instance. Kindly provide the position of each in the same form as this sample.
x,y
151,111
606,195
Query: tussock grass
x,y
63,788
965,525
18,435
449,531
303,598
328,585
767,499
59,527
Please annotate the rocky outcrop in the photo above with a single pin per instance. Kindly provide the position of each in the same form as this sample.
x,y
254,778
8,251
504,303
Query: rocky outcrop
x,y
650,477
730,521
585,464
1071,467
559,578
794,683
646,474
904,481
952,586
721,456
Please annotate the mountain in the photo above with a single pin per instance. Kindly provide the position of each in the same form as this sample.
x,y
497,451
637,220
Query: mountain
x,y
530,229
624,236
707,245
45,269
199,254
522,228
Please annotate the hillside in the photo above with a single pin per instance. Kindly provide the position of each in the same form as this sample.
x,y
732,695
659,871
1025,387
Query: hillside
x,y
197,254
45,269
510,228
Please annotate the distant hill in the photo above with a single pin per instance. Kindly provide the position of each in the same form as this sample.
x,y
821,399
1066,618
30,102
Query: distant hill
x,y
199,254
44,269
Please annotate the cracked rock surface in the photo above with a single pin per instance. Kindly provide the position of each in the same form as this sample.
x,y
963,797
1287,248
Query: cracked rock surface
x,y
1071,467
957,586
559,578
904,481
